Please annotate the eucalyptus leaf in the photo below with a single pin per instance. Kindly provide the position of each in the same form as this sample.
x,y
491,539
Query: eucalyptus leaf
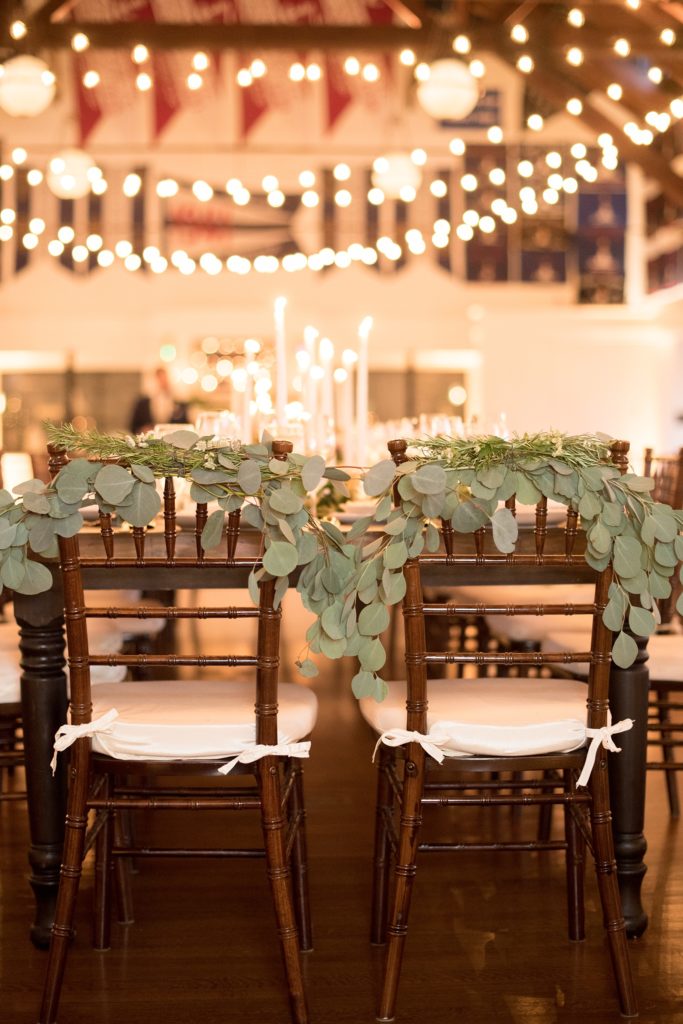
x,y
379,477
372,655
12,573
433,538
641,621
114,484
143,473
182,439
67,527
395,555
615,610
429,479
624,650
143,506
505,530
363,684
36,503
278,467
212,534
308,668
37,579
312,471
280,558
284,500
249,476
373,619
8,532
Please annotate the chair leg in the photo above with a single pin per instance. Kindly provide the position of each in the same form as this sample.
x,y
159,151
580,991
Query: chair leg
x,y
404,873
70,876
273,824
302,905
606,868
576,848
382,854
123,868
667,753
103,859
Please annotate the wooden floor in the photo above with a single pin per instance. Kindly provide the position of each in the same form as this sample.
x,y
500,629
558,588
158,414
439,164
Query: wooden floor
x,y
487,940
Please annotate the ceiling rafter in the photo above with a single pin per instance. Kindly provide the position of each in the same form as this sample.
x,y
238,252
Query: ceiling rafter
x,y
188,36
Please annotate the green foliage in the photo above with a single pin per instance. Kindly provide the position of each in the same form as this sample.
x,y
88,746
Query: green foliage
x,y
349,580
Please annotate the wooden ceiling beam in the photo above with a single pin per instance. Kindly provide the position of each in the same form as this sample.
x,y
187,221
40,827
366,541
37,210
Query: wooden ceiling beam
x,y
412,13
189,36
51,10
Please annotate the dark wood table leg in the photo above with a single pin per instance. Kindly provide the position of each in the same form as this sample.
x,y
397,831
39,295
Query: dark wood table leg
x,y
44,704
628,699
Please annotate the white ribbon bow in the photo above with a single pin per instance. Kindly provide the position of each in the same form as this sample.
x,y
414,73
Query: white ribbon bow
x,y
429,743
68,734
601,737
259,750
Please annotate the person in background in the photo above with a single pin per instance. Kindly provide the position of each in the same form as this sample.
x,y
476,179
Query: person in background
x,y
157,406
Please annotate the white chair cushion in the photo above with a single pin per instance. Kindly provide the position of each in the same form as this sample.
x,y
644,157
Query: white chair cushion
x,y
665,653
193,719
496,717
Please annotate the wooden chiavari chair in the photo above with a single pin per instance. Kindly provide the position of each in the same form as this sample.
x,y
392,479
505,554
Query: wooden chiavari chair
x,y
131,743
481,725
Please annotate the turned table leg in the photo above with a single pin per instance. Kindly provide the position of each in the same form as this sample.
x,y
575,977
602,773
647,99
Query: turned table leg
x,y
44,705
628,699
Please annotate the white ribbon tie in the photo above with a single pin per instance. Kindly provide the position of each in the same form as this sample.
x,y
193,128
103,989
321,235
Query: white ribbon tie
x,y
602,737
259,750
431,744
68,734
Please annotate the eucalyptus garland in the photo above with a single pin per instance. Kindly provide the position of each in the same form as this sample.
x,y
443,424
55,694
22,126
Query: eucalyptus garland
x,y
350,579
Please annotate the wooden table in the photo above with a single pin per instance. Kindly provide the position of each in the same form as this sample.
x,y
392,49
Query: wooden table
x,y
44,707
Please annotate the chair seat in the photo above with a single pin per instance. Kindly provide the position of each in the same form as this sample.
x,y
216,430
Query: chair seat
x,y
193,719
493,717
665,653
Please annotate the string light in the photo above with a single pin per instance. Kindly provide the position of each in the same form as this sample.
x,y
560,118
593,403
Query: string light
x,y
132,184
495,134
535,122
18,29
297,72
19,155
371,73
667,36
341,172
477,68
310,198
140,53
615,91
200,61
167,187
438,188
143,81
351,66
258,68
194,81
574,106
553,159
244,78
462,44
622,47
202,191
314,72
456,147
519,34
575,56
407,58
79,42
34,177
655,75
91,79
525,64
576,17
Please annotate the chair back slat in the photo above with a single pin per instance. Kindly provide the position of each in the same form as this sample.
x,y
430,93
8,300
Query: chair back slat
x,y
139,541
169,516
201,515
570,531
107,534
541,525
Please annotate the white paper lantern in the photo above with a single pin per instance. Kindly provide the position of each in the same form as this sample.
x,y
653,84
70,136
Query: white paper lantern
x,y
69,173
394,173
27,86
450,93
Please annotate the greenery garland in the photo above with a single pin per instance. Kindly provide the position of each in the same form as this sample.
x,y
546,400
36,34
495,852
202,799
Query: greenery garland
x,y
350,579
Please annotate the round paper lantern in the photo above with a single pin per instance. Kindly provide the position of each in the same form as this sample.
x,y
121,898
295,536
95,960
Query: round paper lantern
x,y
69,173
27,86
450,93
395,172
